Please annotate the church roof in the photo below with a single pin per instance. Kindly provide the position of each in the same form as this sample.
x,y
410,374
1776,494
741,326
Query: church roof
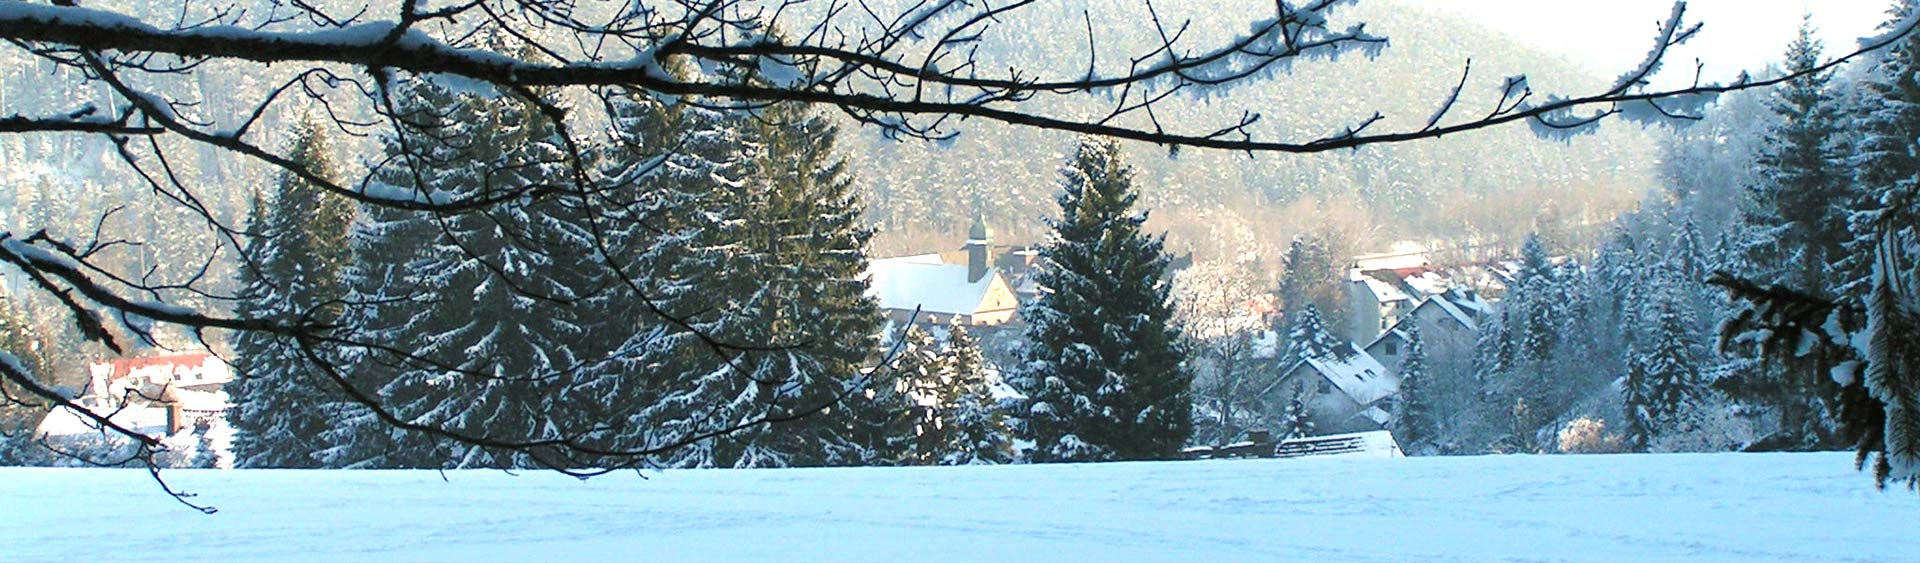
x,y
914,282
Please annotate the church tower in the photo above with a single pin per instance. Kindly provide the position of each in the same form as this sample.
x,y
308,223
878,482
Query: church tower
x,y
978,240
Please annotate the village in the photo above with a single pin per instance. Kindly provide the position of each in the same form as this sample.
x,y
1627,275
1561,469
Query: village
x,y
1351,390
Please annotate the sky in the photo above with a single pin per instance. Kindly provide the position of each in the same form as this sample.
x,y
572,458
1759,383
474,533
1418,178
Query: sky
x,y
1612,36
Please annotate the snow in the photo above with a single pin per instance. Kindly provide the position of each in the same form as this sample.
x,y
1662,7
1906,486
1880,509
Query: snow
x,y
1718,507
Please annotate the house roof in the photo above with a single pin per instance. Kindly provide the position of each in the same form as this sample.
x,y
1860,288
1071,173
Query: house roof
x,y
1457,310
933,287
120,368
1383,291
1358,375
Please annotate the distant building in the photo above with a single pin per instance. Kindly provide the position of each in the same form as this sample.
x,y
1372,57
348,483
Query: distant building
x,y
1448,322
157,394
981,284
1382,288
1348,391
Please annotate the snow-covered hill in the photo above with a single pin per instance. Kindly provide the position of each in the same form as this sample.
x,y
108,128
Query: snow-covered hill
x,y
1795,507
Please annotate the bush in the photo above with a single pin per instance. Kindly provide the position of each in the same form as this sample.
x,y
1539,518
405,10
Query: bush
x,y
1588,436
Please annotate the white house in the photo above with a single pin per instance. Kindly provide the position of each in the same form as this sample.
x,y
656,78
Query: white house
x,y
1449,323
1348,391
161,394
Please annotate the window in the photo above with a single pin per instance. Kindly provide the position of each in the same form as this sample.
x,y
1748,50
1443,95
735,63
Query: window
x,y
1393,347
1325,388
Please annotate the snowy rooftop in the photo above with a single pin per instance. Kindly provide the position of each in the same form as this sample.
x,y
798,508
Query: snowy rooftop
x,y
1382,291
1427,282
1358,375
1402,255
66,423
933,287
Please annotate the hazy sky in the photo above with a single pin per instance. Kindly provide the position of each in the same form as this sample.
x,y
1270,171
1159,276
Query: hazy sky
x,y
1611,36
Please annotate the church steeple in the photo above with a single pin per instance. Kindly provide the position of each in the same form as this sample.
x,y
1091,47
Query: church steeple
x,y
979,237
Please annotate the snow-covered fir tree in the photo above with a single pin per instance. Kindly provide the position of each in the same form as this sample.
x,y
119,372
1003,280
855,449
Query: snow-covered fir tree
x,y
484,318
1310,272
294,258
971,427
1309,338
1415,421
799,254
1102,367
1886,227
1636,395
1798,221
1672,355
1296,420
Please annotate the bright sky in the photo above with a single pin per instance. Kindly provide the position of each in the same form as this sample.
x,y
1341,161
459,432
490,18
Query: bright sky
x,y
1611,36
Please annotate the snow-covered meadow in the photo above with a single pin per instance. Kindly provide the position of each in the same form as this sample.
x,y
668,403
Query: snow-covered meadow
x,y
1788,507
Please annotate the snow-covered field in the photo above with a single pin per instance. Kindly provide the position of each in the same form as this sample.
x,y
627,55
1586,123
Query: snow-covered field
x,y
1794,507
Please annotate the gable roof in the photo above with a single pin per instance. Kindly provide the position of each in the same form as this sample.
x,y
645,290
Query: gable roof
x,y
1383,291
1358,375
1456,310
933,287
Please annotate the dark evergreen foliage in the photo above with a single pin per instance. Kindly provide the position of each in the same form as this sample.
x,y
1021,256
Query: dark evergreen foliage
x,y
1103,369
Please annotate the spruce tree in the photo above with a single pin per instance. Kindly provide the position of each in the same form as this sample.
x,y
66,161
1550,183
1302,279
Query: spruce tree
x,y
1886,235
487,310
1671,362
1798,213
1102,367
295,256
1297,420
1637,396
1535,262
1416,422
1309,274
670,373
1309,338
971,426
802,254
1878,406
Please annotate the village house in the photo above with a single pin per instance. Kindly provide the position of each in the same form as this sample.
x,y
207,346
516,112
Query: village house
x,y
981,284
1449,323
1382,288
1347,391
156,394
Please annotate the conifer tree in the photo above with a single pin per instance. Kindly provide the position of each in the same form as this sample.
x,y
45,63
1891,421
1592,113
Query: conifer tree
x,y
1535,262
1416,422
296,253
1886,235
1102,369
972,428
660,380
1799,217
486,309
1671,363
1309,338
1309,271
802,254
1637,396
1297,420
